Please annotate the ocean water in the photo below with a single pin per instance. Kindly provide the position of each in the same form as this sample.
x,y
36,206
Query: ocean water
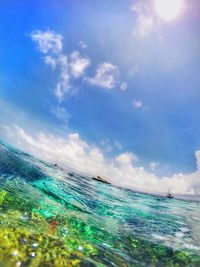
x,y
55,217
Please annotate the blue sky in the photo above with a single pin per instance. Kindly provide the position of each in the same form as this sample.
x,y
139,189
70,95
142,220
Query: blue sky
x,y
148,100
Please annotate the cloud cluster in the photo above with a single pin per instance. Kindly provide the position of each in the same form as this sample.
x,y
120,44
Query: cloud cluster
x,y
106,76
73,152
73,66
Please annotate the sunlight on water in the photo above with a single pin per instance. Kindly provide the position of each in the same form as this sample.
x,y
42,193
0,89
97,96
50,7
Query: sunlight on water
x,y
53,217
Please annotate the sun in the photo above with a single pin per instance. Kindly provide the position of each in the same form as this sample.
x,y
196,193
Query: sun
x,y
168,9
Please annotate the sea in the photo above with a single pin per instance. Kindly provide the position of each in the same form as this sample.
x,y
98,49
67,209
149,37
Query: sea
x,y
50,216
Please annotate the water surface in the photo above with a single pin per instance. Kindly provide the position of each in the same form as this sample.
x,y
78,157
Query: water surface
x,y
55,217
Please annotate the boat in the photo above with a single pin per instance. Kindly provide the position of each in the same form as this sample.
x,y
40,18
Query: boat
x,y
169,195
100,179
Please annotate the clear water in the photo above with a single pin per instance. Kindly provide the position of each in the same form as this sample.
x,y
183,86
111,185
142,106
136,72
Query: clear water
x,y
55,217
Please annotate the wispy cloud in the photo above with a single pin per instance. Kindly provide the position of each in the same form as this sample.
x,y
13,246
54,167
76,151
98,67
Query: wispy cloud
x,y
74,152
74,66
47,41
50,44
106,76
63,85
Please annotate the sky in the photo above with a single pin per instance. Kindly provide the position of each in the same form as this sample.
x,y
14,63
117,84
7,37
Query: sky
x,y
106,87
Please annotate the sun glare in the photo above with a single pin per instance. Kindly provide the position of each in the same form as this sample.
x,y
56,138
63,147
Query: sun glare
x,y
168,9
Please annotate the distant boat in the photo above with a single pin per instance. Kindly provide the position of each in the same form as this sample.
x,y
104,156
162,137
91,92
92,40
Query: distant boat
x,y
169,195
100,179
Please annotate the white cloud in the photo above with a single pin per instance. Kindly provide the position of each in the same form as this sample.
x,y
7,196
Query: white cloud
x,y
123,86
47,41
62,86
61,113
60,62
78,64
137,104
106,76
126,159
73,152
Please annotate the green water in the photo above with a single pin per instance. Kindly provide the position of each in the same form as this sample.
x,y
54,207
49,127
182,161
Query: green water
x,y
55,217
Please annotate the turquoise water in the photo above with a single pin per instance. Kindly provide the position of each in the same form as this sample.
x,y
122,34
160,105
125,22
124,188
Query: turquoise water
x,y
55,217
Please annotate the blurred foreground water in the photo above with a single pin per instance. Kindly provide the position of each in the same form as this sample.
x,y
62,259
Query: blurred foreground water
x,y
55,217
